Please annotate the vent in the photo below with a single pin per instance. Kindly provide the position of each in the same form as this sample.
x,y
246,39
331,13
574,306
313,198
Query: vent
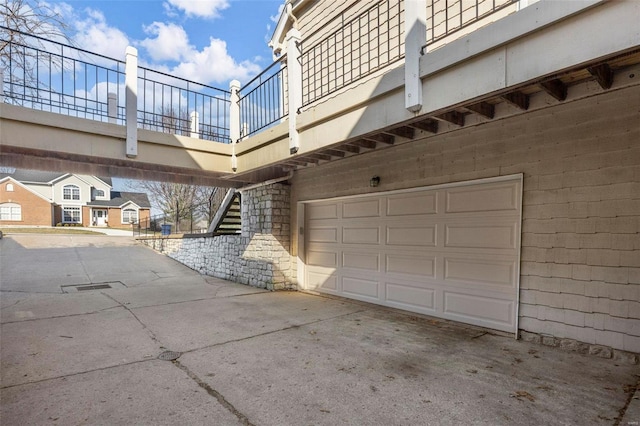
x,y
91,286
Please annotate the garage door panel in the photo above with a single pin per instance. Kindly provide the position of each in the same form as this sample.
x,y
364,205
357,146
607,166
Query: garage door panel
x,y
322,211
405,296
322,258
407,235
361,287
496,197
480,271
479,309
364,261
355,209
316,280
412,265
481,235
357,235
323,235
412,204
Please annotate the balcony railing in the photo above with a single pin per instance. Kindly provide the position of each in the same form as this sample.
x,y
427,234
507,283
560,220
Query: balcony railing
x,y
263,101
51,76
174,105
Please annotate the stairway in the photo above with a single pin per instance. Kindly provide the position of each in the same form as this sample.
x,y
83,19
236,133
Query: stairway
x,y
228,220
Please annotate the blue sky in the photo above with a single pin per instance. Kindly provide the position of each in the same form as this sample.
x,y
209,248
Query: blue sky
x,y
208,41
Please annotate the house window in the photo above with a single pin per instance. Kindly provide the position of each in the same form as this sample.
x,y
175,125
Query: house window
x,y
71,215
99,193
71,192
9,187
129,216
10,211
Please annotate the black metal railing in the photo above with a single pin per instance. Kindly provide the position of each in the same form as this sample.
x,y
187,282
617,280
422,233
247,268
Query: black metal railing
x,y
263,100
446,17
50,76
166,225
359,47
178,106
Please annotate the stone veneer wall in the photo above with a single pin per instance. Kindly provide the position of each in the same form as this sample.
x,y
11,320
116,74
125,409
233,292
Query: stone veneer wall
x,y
259,256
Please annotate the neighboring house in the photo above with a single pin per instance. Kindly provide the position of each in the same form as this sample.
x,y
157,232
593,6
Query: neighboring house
x,y
29,197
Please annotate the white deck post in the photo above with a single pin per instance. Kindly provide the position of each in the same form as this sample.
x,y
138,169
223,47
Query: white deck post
x,y
194,124
112,107
294,81
131,100
415,12
234,120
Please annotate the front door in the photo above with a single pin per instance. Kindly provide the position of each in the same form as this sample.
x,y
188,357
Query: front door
x,y
99,217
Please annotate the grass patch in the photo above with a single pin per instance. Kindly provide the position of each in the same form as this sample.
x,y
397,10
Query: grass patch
x,y
9,231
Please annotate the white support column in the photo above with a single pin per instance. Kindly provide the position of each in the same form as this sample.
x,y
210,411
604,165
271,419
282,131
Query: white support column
x,y
234,120
294,81
194,124
112,107
415,12
131,100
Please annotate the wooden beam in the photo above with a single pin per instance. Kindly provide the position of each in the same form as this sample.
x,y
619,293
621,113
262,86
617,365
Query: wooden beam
x,y
381,137
602,74
484,109
555,88
453,117
428,125
403,132
318,156
348,148
517,99
333,152
296,162
361,143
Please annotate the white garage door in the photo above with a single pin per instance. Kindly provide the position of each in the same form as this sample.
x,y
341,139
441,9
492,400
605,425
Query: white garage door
x,y
449,251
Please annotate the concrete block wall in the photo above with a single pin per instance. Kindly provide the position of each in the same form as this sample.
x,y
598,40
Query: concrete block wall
x,y
580,258
259,256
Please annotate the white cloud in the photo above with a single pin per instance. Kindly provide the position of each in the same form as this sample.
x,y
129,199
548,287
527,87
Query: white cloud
x,y
213,64
95,35
171,42
199,8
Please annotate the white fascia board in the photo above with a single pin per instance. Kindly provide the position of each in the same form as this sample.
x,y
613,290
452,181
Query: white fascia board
x,y
53,182
276,43
533,18
123,205
9,178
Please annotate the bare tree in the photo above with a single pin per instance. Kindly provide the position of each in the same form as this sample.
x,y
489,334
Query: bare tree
x,y
21,20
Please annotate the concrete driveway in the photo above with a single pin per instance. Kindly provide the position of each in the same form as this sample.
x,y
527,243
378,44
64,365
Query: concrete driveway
x,y
246,356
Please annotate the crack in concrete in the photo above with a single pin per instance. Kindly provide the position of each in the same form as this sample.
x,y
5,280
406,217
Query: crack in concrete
x,y
214,393
266,333
144,326
64,316
631,393
77,374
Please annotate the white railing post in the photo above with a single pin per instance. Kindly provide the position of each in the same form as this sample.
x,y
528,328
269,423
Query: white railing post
x,y
234,119
131,100
194,124
415,14
294,81
112,107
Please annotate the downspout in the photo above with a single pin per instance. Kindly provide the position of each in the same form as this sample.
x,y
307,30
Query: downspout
x,y
291,16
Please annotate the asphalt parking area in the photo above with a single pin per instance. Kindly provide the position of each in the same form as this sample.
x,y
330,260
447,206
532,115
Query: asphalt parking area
x,y
247,356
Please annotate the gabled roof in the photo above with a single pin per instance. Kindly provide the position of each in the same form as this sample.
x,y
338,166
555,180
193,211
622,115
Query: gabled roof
x,y
4,178
120,198
33,176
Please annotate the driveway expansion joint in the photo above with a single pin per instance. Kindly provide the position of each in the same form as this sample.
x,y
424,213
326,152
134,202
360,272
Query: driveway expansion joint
x,y
214,393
